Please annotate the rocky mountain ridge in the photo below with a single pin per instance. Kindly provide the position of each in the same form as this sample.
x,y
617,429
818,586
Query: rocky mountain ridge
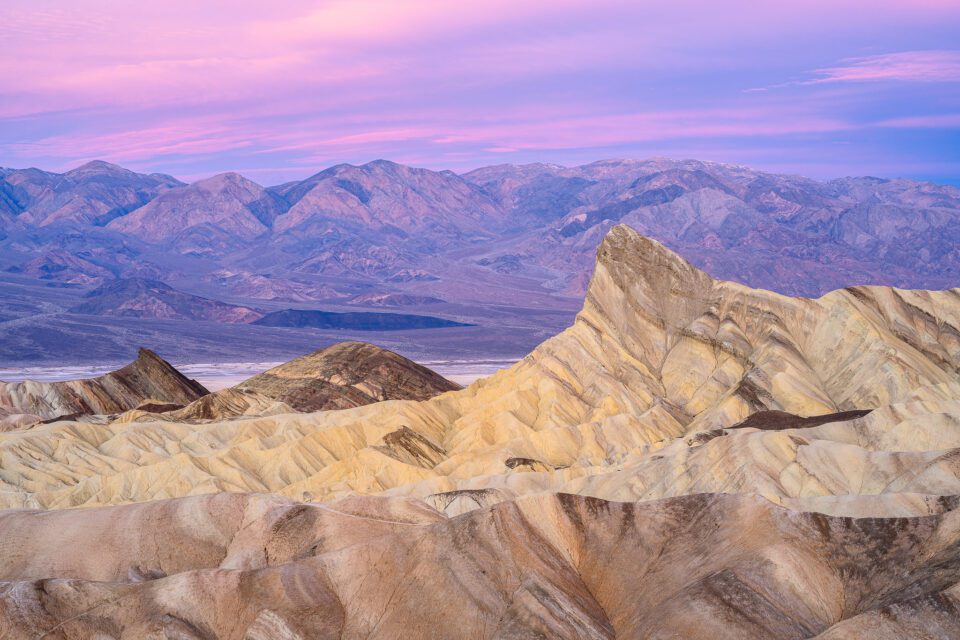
x,y
379,218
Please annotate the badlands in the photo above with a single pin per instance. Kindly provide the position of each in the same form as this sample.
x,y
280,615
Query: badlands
x,y
691,459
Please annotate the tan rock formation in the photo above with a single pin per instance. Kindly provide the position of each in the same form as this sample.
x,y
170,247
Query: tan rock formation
x,y
237,566
219,405
634,401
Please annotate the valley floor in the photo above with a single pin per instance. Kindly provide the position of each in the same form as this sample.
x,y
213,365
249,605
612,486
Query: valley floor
x,y
221,375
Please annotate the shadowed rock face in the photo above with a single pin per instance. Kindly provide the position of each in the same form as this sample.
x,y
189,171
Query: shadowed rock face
x,y
347,374
555,566
776,420
147,377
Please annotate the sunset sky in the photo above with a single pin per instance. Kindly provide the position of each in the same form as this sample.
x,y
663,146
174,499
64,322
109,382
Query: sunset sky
x,y
279,90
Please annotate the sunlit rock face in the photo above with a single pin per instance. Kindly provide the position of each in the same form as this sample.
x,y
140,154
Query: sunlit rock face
x,y
692,458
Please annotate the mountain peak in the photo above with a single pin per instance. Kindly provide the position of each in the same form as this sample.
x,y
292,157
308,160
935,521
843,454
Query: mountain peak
x,y
624,250
639,280
381,162
228,178
97,167
347,374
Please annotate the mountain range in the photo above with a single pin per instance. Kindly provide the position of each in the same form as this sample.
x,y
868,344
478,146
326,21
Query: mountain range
x,y
499,247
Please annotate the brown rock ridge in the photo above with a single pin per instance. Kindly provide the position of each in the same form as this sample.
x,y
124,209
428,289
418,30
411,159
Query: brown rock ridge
x,y
243,566
147,377
347,374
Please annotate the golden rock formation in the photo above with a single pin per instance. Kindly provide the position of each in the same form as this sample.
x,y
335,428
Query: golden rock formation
x,y
242,566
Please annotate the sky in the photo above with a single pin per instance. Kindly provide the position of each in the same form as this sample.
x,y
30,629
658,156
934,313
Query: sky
x,y
281,90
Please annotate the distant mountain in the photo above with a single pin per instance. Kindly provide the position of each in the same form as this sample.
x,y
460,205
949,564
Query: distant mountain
x,y
356,321
205,217
537,222
785,233
510,247
140,298
63,266
385,195
94,193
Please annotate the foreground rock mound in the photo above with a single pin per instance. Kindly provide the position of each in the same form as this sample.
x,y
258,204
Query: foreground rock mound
x,y
148,377
347,374
238,566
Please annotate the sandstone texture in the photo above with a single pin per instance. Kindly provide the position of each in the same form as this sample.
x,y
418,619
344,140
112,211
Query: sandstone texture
x,y
244,566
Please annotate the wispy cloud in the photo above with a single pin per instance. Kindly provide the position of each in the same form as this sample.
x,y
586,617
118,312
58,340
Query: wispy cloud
x,y
904,66
938,121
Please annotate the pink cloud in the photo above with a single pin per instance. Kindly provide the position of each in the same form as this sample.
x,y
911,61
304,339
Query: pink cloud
x,y
317,81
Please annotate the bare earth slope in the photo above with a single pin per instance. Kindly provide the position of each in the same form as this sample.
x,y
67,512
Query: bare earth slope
x,y
632,402
347,374
234,566
147,377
